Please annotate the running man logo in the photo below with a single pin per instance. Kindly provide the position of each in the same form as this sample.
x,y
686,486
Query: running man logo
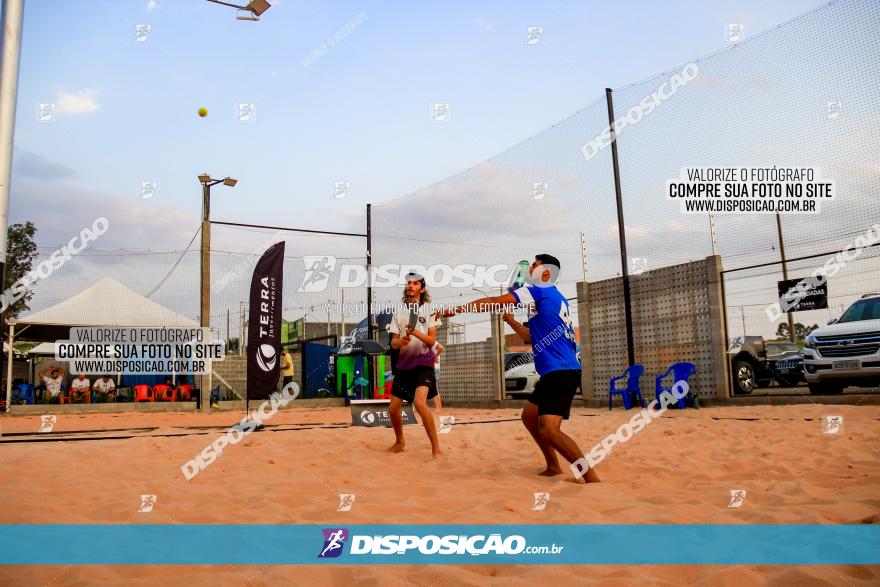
x,y
541,501
341,189
147,503
833,109
639,265
539,189
141,32
148,189
47,423
737,497
47,112
334,541
832,425
440,112
735,31
535,34
318,271
346,500
246,112
446,423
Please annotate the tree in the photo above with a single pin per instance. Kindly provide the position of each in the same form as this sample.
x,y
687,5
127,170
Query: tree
x,y
800,331
20,254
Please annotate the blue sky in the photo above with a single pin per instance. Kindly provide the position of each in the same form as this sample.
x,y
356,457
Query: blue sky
x,y
361,113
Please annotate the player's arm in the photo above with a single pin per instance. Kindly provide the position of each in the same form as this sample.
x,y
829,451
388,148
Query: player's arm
x,y
521,330
486,304
440,349
398,342
429,339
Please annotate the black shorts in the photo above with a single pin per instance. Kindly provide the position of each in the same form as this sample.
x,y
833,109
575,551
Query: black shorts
x,y
407,380
555,391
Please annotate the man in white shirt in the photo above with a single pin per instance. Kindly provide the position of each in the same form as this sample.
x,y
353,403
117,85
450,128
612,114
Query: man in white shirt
x,y
414,332
52,378
105,389
80,388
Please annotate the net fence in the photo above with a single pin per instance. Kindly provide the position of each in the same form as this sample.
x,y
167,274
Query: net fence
x,y
805,94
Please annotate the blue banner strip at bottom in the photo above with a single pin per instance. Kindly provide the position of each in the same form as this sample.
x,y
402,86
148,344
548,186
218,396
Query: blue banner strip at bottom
x,y
266,544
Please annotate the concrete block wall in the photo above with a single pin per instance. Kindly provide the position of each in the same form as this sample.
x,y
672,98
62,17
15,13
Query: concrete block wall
x,y
677,316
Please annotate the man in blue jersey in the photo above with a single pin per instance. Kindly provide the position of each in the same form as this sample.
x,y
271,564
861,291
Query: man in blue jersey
x,y
551,335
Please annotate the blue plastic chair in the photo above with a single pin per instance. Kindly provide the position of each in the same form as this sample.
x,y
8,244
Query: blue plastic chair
x,y
26,393
633,373
680,372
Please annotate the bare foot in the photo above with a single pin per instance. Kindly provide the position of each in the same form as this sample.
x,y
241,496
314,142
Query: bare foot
x,y
550,472
436,453
396,447
591,476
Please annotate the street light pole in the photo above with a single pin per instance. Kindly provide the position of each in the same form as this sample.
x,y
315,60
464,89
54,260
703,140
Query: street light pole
x,y
205,274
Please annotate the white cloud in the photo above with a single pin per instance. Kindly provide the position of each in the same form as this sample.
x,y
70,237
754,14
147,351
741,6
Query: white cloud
x,y
152,5
79,102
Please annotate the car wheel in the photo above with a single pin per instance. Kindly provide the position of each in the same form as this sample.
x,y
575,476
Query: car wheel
x,y
825,388
743,377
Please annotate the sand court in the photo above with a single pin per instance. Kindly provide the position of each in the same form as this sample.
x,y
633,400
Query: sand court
x,y
682,469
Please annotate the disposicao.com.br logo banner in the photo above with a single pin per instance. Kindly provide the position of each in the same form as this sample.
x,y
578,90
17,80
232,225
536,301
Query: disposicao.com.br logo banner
x,y
460,544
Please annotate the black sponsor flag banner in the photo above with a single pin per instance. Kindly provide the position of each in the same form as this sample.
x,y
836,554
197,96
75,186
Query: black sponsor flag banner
x,y
264,324
809,297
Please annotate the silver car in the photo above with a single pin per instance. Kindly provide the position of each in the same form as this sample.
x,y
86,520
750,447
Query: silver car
x,y
847,351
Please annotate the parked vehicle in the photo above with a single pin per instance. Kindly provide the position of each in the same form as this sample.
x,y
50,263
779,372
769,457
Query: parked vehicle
x,y
520,380
785,360
748,364
517,358
520,375
847,351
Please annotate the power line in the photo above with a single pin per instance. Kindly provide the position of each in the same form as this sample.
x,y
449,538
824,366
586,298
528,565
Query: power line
x,y
176,263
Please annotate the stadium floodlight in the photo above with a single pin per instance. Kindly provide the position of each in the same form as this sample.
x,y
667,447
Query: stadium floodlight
x,y
252,11
204,178
230,182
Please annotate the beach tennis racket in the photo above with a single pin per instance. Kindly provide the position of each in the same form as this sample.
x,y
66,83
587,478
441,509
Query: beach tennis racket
x,y
413,316
519,276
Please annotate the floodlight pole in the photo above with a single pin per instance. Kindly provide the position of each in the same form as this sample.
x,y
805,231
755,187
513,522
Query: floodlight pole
x,y
254,7
10,29
621,232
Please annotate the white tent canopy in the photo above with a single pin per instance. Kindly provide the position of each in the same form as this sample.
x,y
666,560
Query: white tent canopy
x,y
107,303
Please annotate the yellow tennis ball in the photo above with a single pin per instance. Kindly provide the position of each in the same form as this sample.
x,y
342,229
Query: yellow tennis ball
x,y
203,112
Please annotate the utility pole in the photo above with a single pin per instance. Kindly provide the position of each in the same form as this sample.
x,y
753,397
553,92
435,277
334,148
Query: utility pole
x,y
584,255
789,313
227,331
712,231
329,302
742,313
242,317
